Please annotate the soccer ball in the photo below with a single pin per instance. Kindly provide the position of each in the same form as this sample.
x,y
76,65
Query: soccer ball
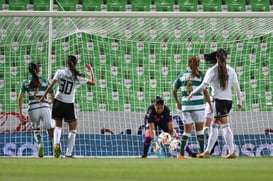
x,y
164,138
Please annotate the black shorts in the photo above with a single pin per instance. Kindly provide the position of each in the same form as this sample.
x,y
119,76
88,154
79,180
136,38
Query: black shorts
x,y
63,111
222,108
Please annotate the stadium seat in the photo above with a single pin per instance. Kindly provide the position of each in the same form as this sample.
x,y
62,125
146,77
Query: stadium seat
x,y
92,5
116,5
164,5
259,5
140,5
18,5
67,5
188,5
2,2
41,5
236,5
212,5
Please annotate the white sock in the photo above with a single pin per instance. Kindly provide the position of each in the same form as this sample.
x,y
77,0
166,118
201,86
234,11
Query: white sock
x,y
228,136
213,135
57,135
70,142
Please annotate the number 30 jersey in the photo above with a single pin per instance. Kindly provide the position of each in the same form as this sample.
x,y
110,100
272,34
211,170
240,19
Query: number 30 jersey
x,y
67,85
188,83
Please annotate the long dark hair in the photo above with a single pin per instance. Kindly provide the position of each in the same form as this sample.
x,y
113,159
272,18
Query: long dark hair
x,y
72,62
222,69
33,70
193,63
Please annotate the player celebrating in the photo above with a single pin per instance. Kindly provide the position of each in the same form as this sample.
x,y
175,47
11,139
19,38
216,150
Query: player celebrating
x,y
63,107
221,77
158,115
35,87
192,111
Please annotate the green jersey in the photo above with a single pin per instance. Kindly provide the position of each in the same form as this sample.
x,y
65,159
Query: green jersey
x,y
188,83
34,94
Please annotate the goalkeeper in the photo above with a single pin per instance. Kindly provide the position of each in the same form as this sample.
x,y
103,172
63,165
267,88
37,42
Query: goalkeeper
x,y
158,116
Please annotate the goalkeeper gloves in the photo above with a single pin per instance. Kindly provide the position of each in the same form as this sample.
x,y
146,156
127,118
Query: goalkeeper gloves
x,y
156,147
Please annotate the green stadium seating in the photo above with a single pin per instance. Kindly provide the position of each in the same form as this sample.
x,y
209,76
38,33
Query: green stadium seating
x,y
259,5
67,5
164,5
188,5
141,5
236,5
116,5
2,2
92,5
41,5
212,5
18,5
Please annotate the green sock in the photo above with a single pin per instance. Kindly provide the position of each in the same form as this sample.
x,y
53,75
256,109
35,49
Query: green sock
x,y
201,142
184,140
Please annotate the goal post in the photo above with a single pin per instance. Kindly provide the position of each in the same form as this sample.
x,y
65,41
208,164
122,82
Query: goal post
x,y
135,56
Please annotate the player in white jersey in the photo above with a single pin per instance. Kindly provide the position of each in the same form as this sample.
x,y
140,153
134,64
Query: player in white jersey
x,y
35,86
68,80
209,115
192,111
221,77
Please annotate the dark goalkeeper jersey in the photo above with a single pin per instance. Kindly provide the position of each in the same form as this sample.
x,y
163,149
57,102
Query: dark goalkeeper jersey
x,y
159,120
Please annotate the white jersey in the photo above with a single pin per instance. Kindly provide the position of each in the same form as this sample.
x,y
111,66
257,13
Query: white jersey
x,y
67,85
211,79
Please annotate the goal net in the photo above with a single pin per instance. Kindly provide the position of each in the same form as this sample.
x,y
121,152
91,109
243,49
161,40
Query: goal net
x,y
135,58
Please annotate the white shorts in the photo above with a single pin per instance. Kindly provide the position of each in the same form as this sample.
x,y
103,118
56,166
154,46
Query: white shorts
x,y
209,114
193,117
41,115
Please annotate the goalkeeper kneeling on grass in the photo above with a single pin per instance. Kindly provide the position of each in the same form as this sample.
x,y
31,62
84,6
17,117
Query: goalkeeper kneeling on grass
x,y
158,115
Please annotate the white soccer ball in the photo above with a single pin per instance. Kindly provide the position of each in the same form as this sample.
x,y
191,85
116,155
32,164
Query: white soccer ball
x,y
164,138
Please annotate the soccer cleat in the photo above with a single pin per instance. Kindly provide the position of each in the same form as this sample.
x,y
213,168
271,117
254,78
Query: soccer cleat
x,y
40,151
143,156
57,150
67,156
231,155
180,157
194,155
203,155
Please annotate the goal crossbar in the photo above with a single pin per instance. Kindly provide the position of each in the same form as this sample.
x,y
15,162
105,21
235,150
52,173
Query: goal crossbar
x,y
136,14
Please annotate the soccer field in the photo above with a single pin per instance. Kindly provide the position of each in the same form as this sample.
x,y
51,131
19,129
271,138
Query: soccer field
x,y
136,169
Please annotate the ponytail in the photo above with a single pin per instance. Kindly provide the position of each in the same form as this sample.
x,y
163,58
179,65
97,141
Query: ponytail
x,y
33,70
222,69
72,62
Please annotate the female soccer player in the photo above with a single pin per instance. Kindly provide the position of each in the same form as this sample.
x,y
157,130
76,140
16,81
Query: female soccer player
x,y
192,111
158,115
221,77
35,87
63,107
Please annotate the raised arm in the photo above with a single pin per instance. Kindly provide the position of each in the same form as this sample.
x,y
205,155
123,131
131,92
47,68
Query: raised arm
x,y
92,80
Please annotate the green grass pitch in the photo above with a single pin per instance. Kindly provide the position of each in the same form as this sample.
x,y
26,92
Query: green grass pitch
x,y
136,169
